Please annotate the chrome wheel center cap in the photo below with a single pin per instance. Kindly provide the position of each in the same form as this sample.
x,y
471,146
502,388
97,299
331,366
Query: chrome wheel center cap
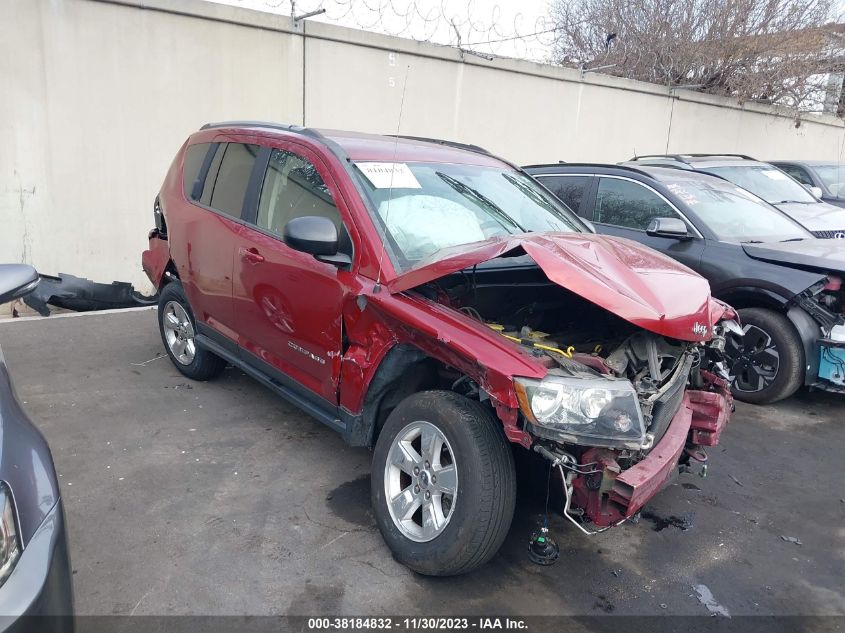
x,y
425,479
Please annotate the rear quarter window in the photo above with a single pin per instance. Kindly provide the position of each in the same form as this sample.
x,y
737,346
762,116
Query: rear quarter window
x,y
568,189
233,178
194,157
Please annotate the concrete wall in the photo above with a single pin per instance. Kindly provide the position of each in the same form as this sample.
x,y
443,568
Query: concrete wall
x,y
97,95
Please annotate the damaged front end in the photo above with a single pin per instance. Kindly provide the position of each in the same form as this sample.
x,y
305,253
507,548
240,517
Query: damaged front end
x,y
628,398
825,303
620,426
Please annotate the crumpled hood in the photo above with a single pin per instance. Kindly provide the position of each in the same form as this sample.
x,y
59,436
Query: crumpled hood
x,y
815,216
824,255
632,281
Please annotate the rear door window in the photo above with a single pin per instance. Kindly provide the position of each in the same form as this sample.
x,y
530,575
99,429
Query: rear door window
x,y
232,178
629,204
568,189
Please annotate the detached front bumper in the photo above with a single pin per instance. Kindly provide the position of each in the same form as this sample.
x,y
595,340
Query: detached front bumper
x,y
609,494
38,596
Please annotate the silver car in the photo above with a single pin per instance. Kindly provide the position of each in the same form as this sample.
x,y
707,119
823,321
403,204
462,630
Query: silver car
x,y
765,181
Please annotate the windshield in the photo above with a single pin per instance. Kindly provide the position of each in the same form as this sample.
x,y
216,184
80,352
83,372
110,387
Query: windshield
x,y
733,214
768,182
427,207
833,176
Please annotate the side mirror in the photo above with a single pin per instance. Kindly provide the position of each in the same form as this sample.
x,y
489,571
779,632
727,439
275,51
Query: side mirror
x,y
673,228
816,191
16,280
317,236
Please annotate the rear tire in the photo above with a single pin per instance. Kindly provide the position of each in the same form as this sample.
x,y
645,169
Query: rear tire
x,y
178,330
768,362
482,480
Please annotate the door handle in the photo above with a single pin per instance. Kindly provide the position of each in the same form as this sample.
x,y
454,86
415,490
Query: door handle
x,y
251,255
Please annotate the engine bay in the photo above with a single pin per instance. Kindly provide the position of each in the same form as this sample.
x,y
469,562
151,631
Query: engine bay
x,y
570,334
575,337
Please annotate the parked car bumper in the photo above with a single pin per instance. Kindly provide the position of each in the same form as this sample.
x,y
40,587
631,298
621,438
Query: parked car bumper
x,y
38,596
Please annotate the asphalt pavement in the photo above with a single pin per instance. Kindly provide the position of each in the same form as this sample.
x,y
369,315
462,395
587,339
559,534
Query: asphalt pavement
x,y
220,498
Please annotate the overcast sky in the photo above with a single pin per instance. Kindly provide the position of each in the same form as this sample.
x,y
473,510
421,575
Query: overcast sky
x,y
483,24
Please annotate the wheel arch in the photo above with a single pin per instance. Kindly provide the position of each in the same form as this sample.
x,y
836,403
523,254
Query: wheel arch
x,y
752,297
404,369
806,327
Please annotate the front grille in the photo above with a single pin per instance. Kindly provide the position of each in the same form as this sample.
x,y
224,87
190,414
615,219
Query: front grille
x,y
670,400
829,235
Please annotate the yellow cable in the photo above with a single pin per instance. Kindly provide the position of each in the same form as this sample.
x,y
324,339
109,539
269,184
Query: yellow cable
x,y
568,353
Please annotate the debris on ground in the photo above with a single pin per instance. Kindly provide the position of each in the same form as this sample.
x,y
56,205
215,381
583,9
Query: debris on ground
x,y
736,481
705,597
792,539
83,295
147,362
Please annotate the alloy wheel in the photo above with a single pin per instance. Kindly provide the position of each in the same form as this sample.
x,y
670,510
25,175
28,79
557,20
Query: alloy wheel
x,y
421,481
179,333
754,359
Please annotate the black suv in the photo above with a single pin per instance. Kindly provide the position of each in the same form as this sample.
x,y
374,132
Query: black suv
x,y
786,284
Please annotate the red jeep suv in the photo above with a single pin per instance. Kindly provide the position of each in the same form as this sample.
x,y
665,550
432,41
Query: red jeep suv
x,y
432,301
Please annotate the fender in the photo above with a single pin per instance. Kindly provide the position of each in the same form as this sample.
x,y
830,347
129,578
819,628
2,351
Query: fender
x,y
752,296
400,371
377,323
809,332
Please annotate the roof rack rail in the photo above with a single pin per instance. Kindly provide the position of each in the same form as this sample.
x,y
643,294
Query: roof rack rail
x,y
684,167
684,158
600,165
288,127
676,157
743,156
439,141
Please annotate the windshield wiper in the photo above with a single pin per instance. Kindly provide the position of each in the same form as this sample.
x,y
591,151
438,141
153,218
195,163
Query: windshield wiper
x,y
791,202
475,196
794,239
752,242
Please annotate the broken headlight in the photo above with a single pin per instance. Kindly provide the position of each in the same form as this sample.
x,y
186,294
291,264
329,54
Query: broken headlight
x,y
10,549
587,411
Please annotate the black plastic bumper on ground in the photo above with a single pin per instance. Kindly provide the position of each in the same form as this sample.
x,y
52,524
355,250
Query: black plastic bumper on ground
x,y
38,596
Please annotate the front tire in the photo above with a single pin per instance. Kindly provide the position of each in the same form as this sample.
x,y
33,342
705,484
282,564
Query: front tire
x,y
443,483
768,362
178,329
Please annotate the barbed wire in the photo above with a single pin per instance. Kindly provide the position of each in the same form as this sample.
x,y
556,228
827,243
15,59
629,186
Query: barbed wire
x,y
481,26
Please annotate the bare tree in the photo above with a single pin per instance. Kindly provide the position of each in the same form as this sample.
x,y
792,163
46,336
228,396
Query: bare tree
x,y
776,51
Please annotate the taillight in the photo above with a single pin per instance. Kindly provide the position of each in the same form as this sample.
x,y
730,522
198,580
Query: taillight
x,y
158,215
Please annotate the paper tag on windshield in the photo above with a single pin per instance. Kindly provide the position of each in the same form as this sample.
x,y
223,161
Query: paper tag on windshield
x,y
774,174
387,175
682,193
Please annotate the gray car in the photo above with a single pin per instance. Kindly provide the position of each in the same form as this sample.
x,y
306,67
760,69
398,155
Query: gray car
x,y
765,181
826,178
35,573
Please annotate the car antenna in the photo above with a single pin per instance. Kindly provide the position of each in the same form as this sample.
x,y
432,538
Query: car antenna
x,y
377,287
